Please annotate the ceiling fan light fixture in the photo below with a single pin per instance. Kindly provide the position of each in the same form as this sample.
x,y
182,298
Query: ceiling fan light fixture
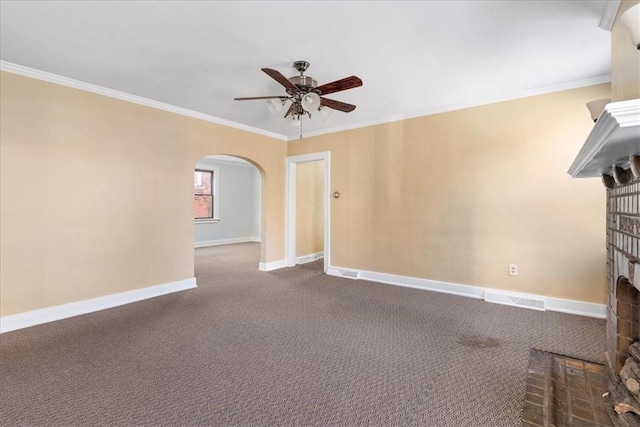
x,y
597,107
304,97
274,106
293,119
324,113
310,102
631,19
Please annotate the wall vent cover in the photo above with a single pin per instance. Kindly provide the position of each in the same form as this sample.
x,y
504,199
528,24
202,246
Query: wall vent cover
x,y
349,274
499,298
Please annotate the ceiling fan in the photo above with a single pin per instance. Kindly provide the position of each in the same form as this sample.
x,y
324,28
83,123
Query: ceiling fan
x,y
304,93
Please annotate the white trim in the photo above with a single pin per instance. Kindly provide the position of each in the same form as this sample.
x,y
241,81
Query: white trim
x,y
304,259
609,15
273,265
88,87
345,273
507,298
64,81
290,214
218,242
615,136
230,160
550,303
431,285
575,84
206,221
290,220
64,311
228,163
580,308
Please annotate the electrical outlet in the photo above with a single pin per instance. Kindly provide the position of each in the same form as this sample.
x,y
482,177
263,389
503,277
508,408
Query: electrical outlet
x,y
513,269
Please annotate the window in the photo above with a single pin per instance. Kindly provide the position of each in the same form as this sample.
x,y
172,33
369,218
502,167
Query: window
x,y
203,193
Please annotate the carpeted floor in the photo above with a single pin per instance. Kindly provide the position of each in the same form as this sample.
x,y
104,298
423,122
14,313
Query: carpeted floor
x,y
291,347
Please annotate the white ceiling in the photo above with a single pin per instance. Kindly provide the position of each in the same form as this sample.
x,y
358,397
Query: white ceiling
x,y
415,58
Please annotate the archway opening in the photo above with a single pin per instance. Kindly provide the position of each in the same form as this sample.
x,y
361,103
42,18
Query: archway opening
x,y
228,219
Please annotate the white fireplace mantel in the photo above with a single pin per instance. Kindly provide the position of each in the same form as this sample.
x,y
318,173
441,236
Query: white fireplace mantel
x,y
614,138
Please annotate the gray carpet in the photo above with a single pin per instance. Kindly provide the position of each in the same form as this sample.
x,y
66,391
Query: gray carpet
x,y
291,347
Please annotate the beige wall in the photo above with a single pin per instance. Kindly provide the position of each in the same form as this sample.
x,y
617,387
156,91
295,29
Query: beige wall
x,y
309,208
625,60
96,193
458,196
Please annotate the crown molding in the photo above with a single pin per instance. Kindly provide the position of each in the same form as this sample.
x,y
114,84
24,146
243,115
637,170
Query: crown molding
x,y
609,15
543,90
76,84
615,137
123,96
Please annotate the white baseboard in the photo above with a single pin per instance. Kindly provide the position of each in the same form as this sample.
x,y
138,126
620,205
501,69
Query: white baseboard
x,y
207,243
580,308
273,265
550,303
309,258
64,311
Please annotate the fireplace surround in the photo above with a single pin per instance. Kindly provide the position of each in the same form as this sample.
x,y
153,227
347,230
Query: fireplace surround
x,y
623,301
612,152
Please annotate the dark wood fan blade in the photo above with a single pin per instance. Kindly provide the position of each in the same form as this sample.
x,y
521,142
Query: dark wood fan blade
x,y
337,105
275,75
289,111
339,85
261,97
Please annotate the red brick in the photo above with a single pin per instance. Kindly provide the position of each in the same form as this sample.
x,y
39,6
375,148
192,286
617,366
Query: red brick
x,y
630,330
627,311
626,292
619,361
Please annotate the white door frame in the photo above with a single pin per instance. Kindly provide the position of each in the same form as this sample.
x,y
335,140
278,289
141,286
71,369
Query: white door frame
x,y
292,162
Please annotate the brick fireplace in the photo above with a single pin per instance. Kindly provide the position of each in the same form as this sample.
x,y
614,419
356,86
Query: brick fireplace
x,y
623,301
612,152
623,259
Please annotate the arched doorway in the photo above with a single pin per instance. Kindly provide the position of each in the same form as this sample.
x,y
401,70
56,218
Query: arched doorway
x,y
228,205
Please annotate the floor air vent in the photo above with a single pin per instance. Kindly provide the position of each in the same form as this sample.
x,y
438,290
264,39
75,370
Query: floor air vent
x,y
349,274
498,298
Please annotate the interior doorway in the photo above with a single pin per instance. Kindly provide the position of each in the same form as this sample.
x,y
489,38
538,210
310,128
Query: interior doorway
x,y
227,202
308,213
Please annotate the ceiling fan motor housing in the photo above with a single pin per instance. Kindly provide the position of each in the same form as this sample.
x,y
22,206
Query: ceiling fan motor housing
x,y
304,83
